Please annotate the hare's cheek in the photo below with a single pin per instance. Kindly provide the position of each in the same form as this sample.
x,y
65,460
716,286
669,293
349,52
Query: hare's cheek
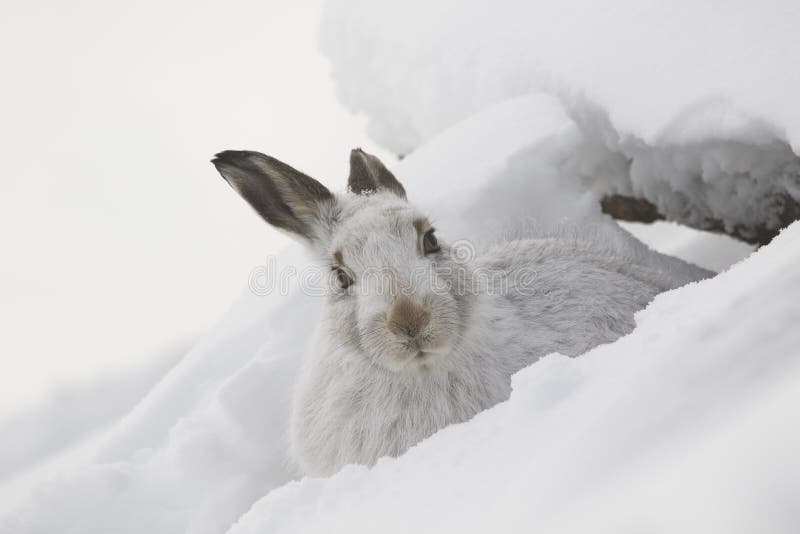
x,y
372,306
342,319
447,320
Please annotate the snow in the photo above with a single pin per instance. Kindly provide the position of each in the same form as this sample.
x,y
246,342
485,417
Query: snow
x,y
208,441
74,411
217,420
684,425
715,252
416,68
690,105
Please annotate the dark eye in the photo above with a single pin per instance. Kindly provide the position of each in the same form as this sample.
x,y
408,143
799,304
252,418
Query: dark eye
x,y
429,242
343,279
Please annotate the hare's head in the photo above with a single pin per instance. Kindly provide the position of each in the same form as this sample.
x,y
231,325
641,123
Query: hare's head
x,y
396,293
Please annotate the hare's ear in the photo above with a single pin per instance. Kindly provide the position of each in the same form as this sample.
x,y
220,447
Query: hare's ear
x,y
369,175
283,196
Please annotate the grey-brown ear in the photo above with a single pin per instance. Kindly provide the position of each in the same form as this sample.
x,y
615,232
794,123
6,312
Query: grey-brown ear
x,y
369,175
283,196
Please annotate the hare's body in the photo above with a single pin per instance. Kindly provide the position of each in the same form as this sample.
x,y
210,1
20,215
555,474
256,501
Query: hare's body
x,y
416,335
349,410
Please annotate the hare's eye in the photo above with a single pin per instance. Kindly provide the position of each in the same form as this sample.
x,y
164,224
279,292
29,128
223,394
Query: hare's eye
x,y
343,279
430,243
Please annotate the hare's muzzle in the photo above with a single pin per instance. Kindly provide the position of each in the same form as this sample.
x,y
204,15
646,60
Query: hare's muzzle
x,y
407,318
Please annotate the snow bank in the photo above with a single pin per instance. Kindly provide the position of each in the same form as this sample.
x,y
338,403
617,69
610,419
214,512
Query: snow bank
x,y
509,111
685,425
208,441
44,430
689,105
195,452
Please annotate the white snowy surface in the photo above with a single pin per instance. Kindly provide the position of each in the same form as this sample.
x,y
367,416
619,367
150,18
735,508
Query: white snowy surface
x,y
691,105
208,441
715,252
686,425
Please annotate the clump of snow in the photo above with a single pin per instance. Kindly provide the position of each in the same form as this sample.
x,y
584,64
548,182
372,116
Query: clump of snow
x,y
689,105
682,426
416,68
706,169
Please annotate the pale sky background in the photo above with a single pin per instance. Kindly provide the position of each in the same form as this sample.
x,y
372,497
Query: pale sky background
x,y
119,239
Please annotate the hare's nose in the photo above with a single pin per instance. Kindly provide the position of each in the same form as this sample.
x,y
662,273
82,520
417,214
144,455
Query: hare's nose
x,y
407,318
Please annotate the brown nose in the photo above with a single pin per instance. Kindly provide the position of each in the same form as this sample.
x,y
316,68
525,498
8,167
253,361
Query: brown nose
x,y
407,318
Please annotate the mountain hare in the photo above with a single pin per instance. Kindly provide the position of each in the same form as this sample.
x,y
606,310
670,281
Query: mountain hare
x,y
417,335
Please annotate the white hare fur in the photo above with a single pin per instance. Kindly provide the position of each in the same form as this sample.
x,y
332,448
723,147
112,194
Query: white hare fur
x,y
392,363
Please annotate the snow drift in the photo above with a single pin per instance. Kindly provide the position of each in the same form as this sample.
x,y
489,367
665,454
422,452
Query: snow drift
x,y
685,425
690,105
208,441
508,111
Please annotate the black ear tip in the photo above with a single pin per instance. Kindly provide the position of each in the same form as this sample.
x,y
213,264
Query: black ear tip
x,y
222,158
222,165
358,152
228,162
359,158
234,159
229,156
